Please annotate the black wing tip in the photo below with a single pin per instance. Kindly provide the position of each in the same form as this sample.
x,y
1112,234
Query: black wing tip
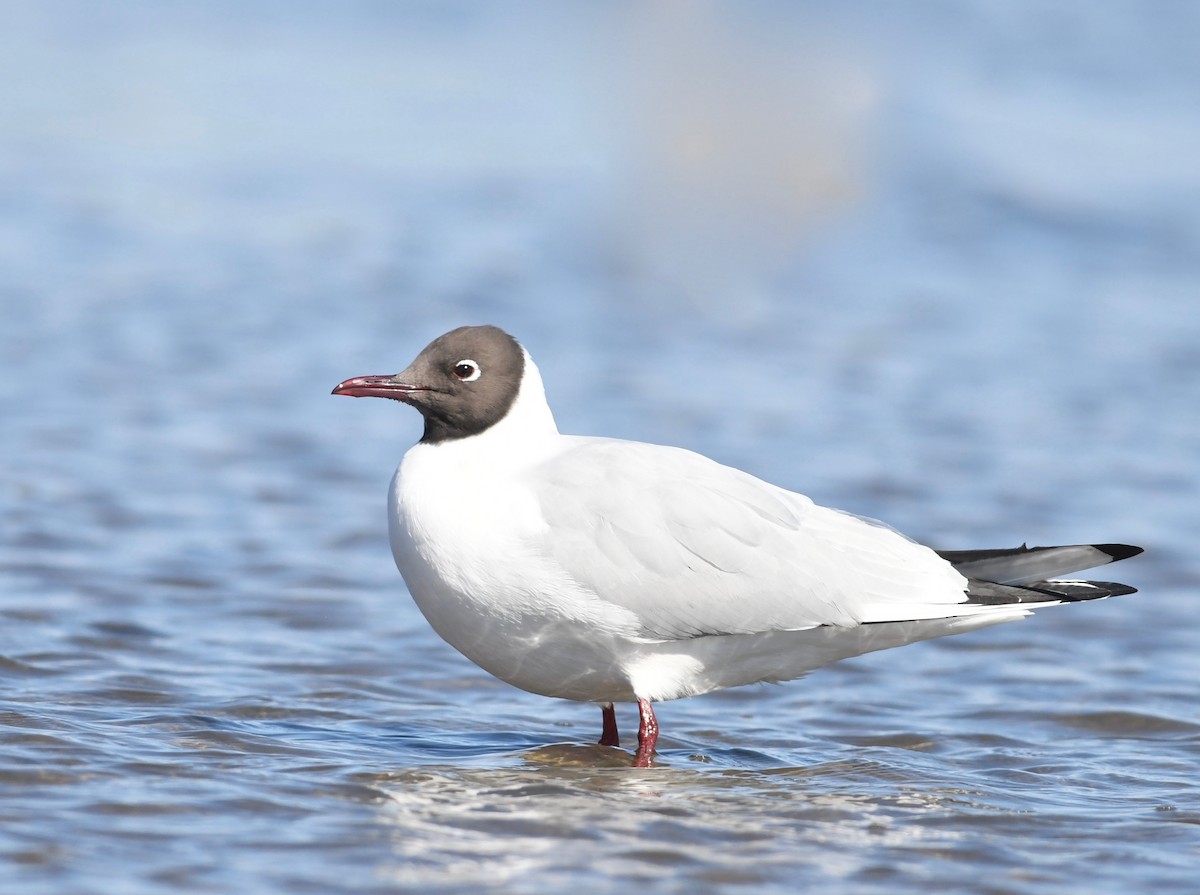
x,y
1121,590
989,593
1101,590
1119,552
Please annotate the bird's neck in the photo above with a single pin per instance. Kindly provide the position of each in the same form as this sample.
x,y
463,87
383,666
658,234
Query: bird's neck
x,y
523,436
529,417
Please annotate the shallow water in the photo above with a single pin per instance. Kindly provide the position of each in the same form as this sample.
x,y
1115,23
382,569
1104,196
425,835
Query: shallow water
x,y
213,679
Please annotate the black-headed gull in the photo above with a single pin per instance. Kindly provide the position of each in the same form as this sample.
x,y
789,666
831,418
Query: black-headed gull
x,y
612,571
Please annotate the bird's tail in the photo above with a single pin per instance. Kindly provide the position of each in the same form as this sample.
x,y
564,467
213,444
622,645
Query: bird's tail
x,y
1026,574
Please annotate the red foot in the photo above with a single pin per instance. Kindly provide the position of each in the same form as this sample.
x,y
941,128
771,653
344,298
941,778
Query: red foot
x,y
647,734
609,735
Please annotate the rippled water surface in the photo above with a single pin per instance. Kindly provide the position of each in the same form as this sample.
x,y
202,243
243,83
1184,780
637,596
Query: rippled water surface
x,y
213,680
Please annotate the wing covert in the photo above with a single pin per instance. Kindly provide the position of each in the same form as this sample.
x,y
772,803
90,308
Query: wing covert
x,y
692,547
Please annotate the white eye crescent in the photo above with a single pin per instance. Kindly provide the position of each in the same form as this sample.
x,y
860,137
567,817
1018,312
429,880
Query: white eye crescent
x,y
467,370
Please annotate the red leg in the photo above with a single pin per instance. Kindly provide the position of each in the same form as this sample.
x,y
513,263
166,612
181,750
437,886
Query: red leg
x,y
647,734
609,735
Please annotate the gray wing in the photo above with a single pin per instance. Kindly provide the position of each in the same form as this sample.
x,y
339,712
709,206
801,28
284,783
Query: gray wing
x,y
692,547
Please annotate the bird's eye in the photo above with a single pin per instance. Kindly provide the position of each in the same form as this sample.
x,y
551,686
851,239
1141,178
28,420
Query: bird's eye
x,y
467,370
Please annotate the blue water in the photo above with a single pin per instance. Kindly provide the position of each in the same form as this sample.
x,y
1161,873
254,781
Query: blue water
x,y
938,265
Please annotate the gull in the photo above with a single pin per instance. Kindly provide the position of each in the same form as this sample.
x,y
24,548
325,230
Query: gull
x,y
605,571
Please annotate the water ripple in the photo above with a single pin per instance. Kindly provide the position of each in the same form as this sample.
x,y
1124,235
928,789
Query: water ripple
x,y
213,679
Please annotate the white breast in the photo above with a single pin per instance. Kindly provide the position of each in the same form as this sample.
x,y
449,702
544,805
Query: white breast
x,y
470,539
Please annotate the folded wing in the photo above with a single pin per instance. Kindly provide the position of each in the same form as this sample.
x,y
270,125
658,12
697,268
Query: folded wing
x,y
693,548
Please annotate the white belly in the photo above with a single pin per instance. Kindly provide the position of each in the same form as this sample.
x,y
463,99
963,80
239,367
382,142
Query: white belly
x,y
469,553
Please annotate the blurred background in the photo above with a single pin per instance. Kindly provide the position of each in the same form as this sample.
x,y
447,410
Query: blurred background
x,y
937,263
953,246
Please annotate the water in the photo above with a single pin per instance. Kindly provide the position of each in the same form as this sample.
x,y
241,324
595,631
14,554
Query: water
x,y
213,680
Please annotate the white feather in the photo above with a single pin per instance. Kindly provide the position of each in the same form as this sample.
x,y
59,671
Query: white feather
x,y
601,570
